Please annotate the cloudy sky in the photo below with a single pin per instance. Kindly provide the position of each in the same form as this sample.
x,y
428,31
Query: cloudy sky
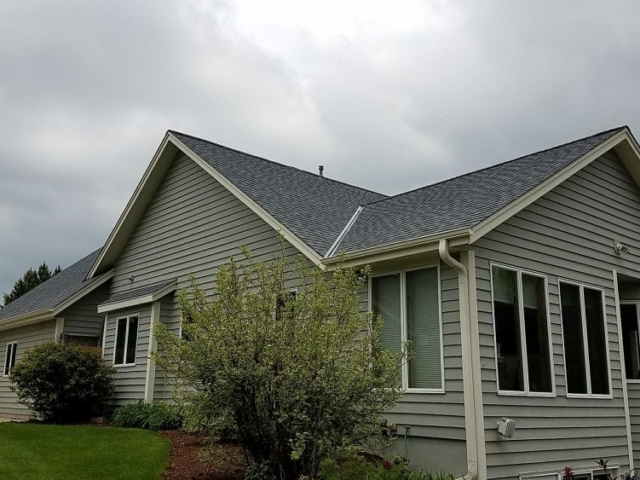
x,y
390,95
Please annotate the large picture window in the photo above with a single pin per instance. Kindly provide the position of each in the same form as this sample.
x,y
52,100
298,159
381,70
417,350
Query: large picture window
x,y
10,358
409,304
585,339
521,323
126,341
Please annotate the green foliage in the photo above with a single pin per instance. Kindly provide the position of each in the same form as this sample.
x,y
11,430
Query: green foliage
x,y
62,382
351,467
296,378
30,280
150,416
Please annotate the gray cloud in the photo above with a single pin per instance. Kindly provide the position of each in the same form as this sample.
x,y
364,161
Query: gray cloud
x,y
88,89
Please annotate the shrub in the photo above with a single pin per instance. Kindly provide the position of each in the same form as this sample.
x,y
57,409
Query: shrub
x,y
364,467
150,416
296,377
62,382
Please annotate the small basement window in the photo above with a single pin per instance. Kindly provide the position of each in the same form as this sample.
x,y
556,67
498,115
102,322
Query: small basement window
x,y
126,341
10,357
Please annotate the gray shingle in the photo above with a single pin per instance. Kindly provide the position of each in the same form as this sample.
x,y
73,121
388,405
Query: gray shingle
x,y
461,202
313,208
139,292
55,291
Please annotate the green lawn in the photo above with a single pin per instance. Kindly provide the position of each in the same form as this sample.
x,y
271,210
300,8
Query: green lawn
x,y
51,452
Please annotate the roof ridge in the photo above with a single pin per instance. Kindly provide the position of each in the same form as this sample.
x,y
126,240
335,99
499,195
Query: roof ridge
x,y
278,163
489,167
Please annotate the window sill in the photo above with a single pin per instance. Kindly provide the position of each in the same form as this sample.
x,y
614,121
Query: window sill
x,y
507,393
438,391
586,395
124,365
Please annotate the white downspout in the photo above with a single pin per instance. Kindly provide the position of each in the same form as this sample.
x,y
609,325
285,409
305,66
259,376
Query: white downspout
x,y
467,366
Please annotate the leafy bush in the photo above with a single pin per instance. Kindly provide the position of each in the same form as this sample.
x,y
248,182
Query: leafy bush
x,y
150,416
296,377
370,468
62,382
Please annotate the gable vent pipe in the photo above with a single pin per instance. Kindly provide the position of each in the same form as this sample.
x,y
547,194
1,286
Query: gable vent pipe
x,y
467,372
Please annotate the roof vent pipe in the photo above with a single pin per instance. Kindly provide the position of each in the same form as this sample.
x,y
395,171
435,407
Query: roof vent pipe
x,y
321,170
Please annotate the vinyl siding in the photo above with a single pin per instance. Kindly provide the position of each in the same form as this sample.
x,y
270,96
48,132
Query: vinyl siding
x,y
436,415
192,226
129,379
569,234
27,337
82,318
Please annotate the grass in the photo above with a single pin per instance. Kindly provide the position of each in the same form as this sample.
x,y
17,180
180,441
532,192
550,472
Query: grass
x,y
80,452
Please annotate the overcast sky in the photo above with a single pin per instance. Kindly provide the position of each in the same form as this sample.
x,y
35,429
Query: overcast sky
x,y
389,95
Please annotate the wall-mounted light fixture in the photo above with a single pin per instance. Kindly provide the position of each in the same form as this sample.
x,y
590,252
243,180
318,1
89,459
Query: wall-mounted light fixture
x,y
620,248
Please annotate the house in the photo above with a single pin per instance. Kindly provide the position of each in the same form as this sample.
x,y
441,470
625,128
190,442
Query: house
x,y
518,284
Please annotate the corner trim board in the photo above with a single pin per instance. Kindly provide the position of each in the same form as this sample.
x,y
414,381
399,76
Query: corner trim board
x,y
150,375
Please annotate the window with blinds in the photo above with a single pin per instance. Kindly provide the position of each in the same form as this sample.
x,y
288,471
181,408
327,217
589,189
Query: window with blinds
x,y
409,304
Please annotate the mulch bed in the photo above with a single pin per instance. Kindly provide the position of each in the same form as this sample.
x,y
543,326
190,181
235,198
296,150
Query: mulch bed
x,y
224,461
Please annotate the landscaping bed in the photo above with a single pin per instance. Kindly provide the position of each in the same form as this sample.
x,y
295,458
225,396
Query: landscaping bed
x,y
224,461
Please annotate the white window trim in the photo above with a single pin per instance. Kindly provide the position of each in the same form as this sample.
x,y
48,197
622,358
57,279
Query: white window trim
x,y
587,367
613,469
126,341
403,323
7,360
636,303
523,340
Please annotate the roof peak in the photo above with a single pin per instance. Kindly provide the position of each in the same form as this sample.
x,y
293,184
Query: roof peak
x,y
273,162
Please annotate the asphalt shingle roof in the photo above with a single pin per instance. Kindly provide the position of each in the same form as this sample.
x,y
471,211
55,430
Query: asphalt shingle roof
x,y
315,209
139,292
461,202
55,291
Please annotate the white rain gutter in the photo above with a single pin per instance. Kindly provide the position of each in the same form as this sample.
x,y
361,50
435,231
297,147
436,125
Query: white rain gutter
x,y
467,364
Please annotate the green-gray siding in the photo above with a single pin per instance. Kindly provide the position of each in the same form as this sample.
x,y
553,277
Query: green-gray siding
x,y
27,337
129,379
569,234
82,318
437,415
192,226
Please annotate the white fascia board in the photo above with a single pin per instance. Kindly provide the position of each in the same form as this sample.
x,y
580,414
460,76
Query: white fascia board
x,y
132,302
545,187
405,248
131,205
27,319
85,291
257,209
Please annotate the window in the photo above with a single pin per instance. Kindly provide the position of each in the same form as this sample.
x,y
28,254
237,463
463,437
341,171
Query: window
x,y
585,339
126,341
521,323
10,357
630,339
409,304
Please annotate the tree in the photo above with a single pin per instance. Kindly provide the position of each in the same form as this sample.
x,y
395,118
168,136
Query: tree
x,y
30,280
297,378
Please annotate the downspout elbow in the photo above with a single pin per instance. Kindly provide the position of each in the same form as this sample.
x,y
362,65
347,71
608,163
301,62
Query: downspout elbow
x,y
469,476
443,249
